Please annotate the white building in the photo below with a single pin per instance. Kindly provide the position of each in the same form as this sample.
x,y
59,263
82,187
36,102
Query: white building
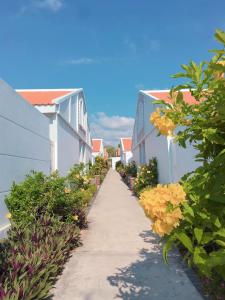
x,y
68,124
24,144
97,148
173,161
125,150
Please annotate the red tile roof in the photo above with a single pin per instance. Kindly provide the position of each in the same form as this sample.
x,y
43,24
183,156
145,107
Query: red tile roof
x,y
164,95
96,145
127,143
43,97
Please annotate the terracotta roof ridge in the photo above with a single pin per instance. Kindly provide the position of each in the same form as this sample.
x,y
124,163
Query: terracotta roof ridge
x,y
46,90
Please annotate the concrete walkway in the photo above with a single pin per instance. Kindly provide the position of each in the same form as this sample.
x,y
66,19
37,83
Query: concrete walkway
x,y
120,257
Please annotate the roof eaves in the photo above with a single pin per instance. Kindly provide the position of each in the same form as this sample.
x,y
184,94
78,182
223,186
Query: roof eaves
x,y
148,92
63,98
54,101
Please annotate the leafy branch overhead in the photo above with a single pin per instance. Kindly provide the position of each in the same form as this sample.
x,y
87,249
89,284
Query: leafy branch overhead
x,y
200,233
202,124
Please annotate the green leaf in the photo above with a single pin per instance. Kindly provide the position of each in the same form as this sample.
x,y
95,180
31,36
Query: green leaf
x,y
212,136
206,238
188,209
158,102
200,256
203,215
217,258
179,98
179,75
185,240
169,207
198,234
219,158
200,259
220,36
181,86
220,243
217,51
216,222
166,248
220,232
218,67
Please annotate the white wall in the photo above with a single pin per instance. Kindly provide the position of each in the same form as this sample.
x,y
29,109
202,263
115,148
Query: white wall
x,y
24,143
183,161
88,154
157,146
128,155
68,149
114,160
69,132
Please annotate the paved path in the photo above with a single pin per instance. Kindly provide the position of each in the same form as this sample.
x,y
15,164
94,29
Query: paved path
x,y
120,257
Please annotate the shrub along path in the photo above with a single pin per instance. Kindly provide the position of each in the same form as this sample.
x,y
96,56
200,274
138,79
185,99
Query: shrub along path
x,y
120,257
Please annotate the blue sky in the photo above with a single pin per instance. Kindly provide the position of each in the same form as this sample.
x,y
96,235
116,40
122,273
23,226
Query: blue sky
x,y
110,48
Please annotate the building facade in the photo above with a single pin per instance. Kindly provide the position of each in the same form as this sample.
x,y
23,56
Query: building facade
x,y
97,148
173,161
24,146
125,150
69,130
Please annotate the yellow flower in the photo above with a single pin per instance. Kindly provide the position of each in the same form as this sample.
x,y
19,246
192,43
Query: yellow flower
x,y
163,123
162,206
67,191
8,216
75,217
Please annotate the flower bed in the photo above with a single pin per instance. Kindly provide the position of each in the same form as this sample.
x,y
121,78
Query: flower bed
x,y
46,213
127,172
139,178
147,176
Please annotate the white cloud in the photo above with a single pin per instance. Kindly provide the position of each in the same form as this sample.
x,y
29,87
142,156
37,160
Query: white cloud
x,y
111,128
82,61
52,5
90,61
36,5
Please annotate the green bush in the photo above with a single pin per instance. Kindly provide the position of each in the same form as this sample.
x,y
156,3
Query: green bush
x,y
147,176
33,256
38,194
202,231
131,169
47,213
78,177
100,167
120,168
118,165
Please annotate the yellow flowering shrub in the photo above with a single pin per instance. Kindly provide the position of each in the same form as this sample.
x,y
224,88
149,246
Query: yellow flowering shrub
x,y
162,122
162,205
